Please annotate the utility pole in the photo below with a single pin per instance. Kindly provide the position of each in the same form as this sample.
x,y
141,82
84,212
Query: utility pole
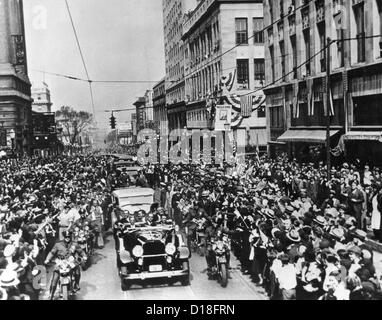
x,y
328,92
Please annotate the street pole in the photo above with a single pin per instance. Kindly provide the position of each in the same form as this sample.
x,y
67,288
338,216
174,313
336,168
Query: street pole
x,y
328,91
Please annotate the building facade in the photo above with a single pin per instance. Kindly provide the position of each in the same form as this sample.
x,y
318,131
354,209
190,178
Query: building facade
x,y
296,66
41,98
15,87
45,140
160,110
149,109
224,65
173,17
140,113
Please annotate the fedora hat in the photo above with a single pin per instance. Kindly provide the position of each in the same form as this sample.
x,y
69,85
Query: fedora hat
x,y
293,235
320,220
337,233
289,209
205,193
9,278
361,234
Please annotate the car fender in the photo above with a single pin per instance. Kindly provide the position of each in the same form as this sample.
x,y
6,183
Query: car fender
x,y
125,257
184,252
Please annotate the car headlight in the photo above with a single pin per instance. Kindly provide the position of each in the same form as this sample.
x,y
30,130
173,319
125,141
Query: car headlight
x,y
170,249
138,251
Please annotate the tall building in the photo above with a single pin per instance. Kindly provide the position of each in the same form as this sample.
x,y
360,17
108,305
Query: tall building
x,y
45,140
41,98
296,65
224,64
173,16
160,111
15,88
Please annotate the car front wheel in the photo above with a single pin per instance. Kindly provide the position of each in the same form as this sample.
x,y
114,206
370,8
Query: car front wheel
x,y
125,285
186,279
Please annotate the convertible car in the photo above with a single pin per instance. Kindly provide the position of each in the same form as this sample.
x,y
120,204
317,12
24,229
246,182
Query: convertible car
x,y
147,252
152,252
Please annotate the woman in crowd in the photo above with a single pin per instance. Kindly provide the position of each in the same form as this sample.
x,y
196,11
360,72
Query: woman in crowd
x,y
298,232
40,198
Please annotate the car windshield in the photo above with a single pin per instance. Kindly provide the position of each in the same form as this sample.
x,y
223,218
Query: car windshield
x,y
151,235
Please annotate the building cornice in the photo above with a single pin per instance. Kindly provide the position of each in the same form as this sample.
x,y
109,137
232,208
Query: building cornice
x,y
189,26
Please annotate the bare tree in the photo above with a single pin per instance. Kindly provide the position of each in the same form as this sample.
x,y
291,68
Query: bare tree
x,y
74,122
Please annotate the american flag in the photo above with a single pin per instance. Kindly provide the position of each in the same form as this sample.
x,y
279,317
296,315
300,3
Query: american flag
x,y
246,102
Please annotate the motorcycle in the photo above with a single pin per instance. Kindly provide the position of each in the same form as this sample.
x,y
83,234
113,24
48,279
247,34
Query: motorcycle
x,y
84,239
66,280
221,249
198,244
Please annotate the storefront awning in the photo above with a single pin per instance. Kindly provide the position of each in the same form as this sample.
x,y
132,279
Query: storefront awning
x,y
277,143
313,136
364,135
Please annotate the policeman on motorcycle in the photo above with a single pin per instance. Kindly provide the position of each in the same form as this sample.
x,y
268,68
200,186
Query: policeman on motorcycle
x,y
216,231
63,250
83,222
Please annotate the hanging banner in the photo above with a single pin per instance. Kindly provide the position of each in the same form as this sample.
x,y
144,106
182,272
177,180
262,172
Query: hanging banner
x,y
223,118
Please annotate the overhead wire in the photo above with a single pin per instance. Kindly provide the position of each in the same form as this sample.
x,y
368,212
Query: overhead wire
x,y
82,58
252,36
307,61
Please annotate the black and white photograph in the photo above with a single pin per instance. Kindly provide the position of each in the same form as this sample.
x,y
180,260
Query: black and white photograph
x,y
203,152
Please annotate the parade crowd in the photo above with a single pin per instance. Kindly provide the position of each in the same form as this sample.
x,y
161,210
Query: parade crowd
x,y
41,201
297,233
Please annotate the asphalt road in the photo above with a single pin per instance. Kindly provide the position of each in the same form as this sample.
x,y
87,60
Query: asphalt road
x,y
101,282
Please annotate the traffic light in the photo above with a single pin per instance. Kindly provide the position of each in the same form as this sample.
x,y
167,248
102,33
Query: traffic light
x,y
112,122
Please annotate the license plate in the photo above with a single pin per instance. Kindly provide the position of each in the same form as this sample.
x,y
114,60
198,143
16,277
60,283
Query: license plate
x,y
155,268
65,281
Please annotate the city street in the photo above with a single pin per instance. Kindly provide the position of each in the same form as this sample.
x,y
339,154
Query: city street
x,y
101,282
247,128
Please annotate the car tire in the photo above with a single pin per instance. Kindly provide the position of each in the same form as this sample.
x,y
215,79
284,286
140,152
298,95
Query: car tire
x,y
125,285
223,275
186,279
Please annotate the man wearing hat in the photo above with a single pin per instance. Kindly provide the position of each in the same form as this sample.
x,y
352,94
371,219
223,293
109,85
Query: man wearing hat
x,y
355,254
63,250
9,283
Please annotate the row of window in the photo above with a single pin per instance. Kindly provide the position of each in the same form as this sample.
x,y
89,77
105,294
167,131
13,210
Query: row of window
x,y
242,66
204,45
204,82
276,115
242,37
175,96
359,46
175,70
